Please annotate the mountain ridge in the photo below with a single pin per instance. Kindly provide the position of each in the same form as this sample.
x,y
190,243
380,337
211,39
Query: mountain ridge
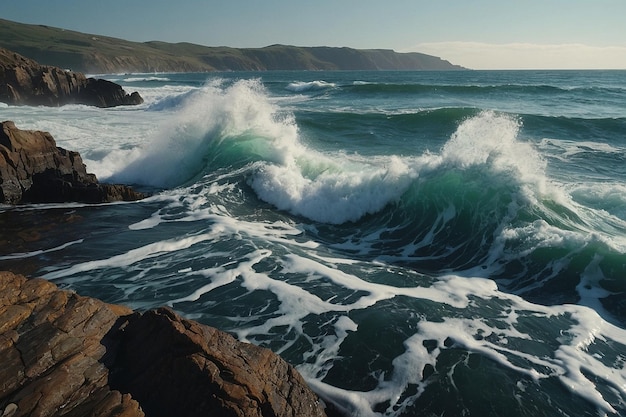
x,y
90,53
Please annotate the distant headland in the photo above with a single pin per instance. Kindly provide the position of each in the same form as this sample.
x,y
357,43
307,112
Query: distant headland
x,y
96,54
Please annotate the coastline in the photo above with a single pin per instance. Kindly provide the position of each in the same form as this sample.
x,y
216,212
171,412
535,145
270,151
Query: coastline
x,y
101,54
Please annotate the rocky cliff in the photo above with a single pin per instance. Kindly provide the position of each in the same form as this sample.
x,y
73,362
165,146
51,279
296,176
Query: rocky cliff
x,y
25,82
101,54
34,170
66,355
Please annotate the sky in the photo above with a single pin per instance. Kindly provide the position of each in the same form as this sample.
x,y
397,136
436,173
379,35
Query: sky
x,y
477,34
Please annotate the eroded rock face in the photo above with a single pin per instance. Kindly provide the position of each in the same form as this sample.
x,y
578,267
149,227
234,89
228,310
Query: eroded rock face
x,y
179,367
51,349
33,169
25,82
66,355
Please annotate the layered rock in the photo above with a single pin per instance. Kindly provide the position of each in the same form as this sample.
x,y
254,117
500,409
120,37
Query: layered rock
x,y
66,355
33,169
25,82
51,349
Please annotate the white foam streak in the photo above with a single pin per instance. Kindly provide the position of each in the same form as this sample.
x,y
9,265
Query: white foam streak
x,y
145,79
350,403
575,358
39,252
219,277
571,148
452,290
134,255
295,302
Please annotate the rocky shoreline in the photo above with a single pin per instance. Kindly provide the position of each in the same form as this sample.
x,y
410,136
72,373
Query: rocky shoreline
x,y
34,170
26,82
68,355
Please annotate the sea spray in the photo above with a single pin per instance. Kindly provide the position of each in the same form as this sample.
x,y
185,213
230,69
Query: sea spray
x,y
331,190
213,121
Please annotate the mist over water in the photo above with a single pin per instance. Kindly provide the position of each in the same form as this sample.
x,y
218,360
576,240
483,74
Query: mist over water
x,y
414,243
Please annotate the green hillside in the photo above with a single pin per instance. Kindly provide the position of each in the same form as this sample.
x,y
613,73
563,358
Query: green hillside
x,y
101,54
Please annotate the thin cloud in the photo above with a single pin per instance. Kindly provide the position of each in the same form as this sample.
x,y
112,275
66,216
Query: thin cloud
x,y
478,55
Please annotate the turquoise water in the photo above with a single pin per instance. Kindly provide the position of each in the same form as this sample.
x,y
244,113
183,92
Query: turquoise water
x,y
415,243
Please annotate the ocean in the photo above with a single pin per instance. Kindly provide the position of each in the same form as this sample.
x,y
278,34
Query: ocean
x,y
415,243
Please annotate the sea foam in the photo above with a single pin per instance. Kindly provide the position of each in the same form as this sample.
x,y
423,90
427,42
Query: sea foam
x,y
189,138
340,188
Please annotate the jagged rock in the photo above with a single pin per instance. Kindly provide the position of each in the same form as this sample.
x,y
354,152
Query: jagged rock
x,y
33,169
25,82
51,349
62,354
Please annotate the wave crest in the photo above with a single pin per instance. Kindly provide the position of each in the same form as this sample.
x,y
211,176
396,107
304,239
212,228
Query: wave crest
x,y
239,114
302,86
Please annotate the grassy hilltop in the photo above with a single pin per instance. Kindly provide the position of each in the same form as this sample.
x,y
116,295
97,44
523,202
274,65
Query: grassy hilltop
x,y
101,54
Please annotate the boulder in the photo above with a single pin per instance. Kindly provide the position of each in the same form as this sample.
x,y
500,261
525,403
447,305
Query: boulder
x,y
34,170
66,355
25,82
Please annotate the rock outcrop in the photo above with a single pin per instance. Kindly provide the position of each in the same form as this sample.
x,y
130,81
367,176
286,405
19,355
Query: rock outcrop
x,y
25,82
34,170
62,354
103,93
51,350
